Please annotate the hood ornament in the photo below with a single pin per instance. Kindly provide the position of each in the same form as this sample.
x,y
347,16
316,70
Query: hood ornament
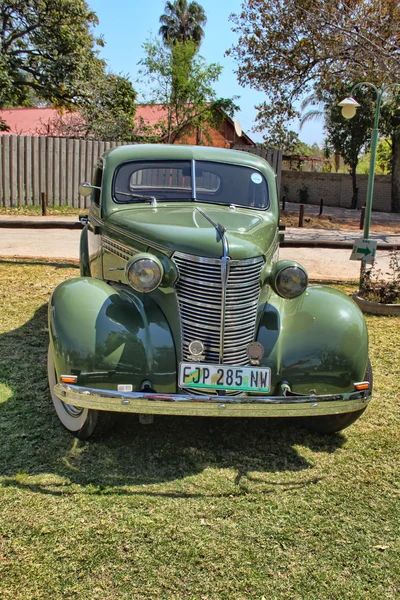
x,y
221,230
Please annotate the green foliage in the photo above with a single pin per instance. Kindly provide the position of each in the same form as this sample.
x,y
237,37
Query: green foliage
x,y
280,139
349,136
384,157
181,81
108,108
304,149
293,48
382,287
46,46
106,111
182,22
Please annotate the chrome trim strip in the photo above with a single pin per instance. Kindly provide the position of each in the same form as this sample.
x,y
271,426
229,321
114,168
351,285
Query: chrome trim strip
x,y
137,238
118,249
193,169
217,261
221,406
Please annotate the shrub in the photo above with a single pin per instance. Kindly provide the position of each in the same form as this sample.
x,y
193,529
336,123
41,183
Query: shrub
x,y
377,288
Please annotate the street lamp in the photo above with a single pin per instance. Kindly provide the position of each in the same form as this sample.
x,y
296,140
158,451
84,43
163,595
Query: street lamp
x,y
349,109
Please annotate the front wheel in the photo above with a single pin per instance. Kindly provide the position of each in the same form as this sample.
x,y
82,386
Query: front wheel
x,y
81,422
335,423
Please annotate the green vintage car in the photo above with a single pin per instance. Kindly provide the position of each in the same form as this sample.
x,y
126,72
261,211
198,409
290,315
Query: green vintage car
x,y
183,307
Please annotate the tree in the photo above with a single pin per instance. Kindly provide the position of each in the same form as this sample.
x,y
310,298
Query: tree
x,y
289,48
183,85
346,138
106,111
182,22
46,46
349,137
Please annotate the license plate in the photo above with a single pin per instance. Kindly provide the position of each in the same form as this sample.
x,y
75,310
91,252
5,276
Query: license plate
x,y
224,377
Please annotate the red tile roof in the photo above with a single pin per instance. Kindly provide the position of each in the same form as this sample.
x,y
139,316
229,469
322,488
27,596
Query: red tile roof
x,y
37,121
27,121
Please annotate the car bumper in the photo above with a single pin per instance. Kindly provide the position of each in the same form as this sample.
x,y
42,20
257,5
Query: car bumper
x,y
211,406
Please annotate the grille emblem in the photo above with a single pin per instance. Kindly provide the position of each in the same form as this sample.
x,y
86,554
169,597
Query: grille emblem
x,y
196,351
255,352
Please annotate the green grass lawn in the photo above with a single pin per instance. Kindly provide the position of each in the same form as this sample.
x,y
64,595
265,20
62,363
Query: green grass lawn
x,y
203,509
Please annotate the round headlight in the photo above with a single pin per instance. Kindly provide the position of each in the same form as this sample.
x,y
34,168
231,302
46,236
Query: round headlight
x,y
290,281
144,273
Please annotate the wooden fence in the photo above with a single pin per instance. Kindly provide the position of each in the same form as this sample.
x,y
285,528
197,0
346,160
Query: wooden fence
x,y
56,166
273,157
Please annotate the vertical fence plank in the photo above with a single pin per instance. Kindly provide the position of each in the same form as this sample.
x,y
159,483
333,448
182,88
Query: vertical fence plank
x,y
49,172
21,170
82,170
35,166
56,171
6,170
13,170
42,167
278,169
95,158
75,193
63,172
28,170
69,170
89,161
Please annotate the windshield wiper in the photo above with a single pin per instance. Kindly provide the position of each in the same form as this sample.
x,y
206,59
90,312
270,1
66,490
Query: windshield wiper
x,y
152,199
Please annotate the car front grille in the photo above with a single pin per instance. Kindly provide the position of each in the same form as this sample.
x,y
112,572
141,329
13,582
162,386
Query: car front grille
x,y
200,297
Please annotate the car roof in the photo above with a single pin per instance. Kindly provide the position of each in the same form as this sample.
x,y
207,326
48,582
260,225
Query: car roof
x,y
127,153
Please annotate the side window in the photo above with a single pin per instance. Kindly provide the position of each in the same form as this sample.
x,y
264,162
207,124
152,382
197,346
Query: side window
x,y
97,180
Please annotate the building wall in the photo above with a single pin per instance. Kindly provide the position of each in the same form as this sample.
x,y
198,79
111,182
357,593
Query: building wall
x,y
222,136
335,189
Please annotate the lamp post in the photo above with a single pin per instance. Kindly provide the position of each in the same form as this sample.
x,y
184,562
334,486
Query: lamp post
x,y
349,109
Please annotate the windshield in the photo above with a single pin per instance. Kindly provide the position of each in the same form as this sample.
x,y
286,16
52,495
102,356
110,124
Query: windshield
x,y
213,183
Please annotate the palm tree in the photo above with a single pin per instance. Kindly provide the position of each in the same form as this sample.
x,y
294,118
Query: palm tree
x,y
317,114
182,22
312,114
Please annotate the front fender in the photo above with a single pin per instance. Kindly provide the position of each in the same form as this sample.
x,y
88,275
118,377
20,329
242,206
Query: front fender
x,y
317,342
108,335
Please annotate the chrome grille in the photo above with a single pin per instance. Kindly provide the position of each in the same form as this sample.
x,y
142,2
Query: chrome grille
x,y
199,291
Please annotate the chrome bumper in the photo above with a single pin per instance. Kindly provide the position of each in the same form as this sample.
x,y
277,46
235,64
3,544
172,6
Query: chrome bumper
x,y
211,406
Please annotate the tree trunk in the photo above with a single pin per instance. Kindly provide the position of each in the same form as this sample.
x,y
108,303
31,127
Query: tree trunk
x,y
396,170
354,198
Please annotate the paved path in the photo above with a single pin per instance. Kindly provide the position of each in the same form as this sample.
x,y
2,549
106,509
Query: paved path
x,y
344,213
321,263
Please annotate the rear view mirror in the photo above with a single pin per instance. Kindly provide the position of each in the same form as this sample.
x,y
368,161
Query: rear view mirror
x,y
85,188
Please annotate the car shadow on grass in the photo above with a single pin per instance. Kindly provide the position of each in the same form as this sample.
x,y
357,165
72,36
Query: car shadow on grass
x,y
37,453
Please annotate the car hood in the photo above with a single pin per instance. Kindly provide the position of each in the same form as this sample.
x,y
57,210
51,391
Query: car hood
x,y
183,228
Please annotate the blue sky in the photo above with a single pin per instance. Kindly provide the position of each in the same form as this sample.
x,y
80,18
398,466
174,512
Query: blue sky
x,y
126,24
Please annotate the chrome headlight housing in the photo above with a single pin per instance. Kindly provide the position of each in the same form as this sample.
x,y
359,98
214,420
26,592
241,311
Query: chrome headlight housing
x,y
288,279
144,272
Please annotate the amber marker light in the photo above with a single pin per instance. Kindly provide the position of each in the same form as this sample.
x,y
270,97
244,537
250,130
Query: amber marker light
x,y
363,385
69,378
